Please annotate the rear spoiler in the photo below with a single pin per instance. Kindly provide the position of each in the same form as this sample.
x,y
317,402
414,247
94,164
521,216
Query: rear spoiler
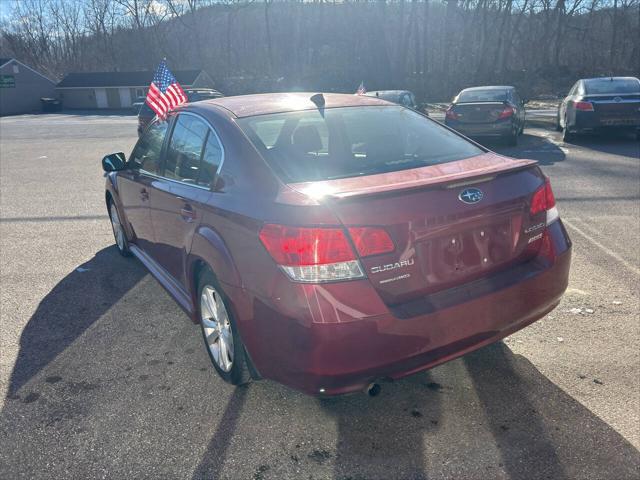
x,y
488,102
461,172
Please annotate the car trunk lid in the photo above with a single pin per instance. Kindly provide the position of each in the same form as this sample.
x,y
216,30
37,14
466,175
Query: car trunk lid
x,y
441,237
478,112
615,106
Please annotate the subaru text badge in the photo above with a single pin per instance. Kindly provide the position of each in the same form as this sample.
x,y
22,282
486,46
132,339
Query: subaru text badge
x,y
470,195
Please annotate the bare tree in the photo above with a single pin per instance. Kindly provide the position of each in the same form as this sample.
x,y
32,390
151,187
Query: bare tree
x,y
432,46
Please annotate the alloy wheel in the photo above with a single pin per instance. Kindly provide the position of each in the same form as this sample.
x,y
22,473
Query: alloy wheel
x,y
217,328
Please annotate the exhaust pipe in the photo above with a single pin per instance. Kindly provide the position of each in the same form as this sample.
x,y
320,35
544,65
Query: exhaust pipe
x,y
373,389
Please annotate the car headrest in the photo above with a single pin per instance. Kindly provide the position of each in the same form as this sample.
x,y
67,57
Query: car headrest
x,y
306,139
384,147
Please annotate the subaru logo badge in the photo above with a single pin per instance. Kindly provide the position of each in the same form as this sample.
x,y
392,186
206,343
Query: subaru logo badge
x,y
471,195
617,99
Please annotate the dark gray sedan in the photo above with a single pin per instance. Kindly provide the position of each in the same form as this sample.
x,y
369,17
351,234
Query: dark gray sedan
x,y
493,111
401,97
596,104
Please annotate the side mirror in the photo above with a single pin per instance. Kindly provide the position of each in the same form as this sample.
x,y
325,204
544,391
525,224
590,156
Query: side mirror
x,y
114,162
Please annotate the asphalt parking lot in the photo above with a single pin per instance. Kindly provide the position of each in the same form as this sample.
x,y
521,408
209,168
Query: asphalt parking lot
x,y
102,376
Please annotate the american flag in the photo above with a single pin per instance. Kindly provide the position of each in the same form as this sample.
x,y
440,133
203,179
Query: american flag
x,y
165,92
361,90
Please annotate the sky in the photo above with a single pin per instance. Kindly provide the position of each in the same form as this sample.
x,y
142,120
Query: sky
x,y
5,8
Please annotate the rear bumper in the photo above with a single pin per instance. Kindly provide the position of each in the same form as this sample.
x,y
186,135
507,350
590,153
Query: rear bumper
x,y
343,349
492,129
592,121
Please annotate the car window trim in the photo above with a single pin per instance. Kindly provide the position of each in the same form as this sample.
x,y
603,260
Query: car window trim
x,y
204,149
153,122
425,116
165,148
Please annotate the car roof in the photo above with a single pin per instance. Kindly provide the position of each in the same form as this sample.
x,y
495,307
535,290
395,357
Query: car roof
x,y
610,78
269,103
196,89
489,87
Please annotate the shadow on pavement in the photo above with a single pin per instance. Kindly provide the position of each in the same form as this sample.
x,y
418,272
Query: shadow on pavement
x,y
142,408
73,305
535,147
212,462
384,436
496,417
615,143
541,431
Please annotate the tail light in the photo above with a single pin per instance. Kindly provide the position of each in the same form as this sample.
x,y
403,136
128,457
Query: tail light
x,y
371,241
583,106
506,113
311,255
451,114
543,200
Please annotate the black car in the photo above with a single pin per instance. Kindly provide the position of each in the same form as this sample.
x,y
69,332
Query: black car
x,y
488,112
145,114
595,104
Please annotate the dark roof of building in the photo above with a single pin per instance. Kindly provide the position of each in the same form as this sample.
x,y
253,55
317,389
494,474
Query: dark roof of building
x,y
266,103
9,60
122,79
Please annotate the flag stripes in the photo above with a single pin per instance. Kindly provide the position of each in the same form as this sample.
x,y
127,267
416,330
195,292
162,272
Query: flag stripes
x,y
165,93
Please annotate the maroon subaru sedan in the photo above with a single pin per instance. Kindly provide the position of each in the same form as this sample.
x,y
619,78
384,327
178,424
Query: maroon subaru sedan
x,y
329,242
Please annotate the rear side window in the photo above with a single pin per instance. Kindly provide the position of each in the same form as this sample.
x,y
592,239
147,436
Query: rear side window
x,y
489,95
352,141
574,89
211,160
615,85
146,154
185,149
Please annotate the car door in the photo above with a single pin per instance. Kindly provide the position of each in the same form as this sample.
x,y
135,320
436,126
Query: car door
x,y
193,154
134,184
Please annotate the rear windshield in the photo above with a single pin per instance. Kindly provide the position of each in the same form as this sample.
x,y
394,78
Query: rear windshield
x,y
489,95
352,141
616,85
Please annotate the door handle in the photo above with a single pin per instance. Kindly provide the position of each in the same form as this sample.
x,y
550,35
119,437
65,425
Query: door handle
x,y
144,195
187,213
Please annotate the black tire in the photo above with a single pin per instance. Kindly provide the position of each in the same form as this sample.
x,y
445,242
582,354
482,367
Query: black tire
x,y
512,138
115,217
567,136
558,126
239,373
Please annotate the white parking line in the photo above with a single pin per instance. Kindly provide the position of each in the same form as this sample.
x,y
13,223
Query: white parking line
x,y
606,250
